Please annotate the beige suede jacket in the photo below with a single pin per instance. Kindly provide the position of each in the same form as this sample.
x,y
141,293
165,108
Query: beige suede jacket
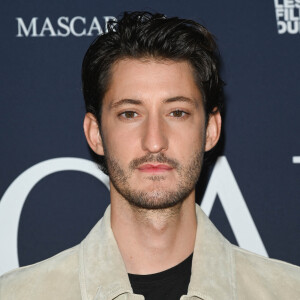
x,y
94,270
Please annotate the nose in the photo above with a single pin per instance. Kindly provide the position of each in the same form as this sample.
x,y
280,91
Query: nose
x,y
154,138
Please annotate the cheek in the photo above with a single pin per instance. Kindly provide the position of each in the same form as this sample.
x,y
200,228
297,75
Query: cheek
x,y
187,149
122,144
189,139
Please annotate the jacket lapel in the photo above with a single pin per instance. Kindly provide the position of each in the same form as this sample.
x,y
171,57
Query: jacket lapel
x,y
213,263
102,271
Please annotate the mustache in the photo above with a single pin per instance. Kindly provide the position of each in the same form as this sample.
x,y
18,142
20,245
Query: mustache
x,y
153,158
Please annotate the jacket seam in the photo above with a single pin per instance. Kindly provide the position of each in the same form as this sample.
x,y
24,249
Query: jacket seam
x,y
233,270
269,260
1,281
81,272
68,251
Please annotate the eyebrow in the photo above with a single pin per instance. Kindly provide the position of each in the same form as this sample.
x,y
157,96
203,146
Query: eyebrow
x,y
139,102
181,99
125,101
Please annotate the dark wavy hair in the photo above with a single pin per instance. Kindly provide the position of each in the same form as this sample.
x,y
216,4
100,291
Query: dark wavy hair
x,y
146,35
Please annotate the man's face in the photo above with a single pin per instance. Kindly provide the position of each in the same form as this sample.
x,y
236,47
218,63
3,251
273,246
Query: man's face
x,y
153,132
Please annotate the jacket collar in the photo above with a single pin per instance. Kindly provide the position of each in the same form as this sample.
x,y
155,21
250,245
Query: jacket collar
x,y
102,271
213,265
103,275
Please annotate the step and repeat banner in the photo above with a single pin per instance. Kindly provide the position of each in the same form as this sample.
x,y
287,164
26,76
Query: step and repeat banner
x,y
51,193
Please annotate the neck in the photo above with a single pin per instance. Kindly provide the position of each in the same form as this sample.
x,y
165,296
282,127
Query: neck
x,y
151,241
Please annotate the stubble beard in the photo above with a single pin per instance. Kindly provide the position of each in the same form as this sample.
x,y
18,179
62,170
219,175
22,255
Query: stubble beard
x,y
159,198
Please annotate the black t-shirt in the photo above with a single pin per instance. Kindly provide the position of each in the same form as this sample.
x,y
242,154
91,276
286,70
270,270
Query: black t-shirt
x,y
167,285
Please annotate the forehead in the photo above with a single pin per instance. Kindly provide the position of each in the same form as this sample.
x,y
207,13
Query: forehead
x,y
151,79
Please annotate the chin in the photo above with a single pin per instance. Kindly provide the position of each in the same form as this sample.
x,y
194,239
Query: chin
x,y
156,200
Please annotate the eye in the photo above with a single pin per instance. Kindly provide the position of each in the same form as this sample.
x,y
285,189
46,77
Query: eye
x,y
178,113
128,114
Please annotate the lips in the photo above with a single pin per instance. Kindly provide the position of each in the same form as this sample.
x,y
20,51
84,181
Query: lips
x,y
151,168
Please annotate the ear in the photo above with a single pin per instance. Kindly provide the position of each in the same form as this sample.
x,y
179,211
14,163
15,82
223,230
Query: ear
x,y
92,133
213,130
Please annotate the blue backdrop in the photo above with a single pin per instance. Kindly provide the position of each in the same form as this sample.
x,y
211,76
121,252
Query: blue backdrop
x,y
255,190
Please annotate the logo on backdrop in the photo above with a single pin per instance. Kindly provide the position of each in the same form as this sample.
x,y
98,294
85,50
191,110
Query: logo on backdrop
x,y
296,159
12,202
288,16
222,183
62,27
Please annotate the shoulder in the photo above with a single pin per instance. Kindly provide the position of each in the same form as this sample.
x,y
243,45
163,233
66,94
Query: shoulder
x,y
53,278
267,276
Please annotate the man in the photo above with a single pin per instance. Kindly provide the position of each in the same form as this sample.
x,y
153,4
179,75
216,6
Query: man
x,y
153,98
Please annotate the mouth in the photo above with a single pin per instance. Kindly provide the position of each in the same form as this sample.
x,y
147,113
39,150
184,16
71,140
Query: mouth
x,y
154,168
